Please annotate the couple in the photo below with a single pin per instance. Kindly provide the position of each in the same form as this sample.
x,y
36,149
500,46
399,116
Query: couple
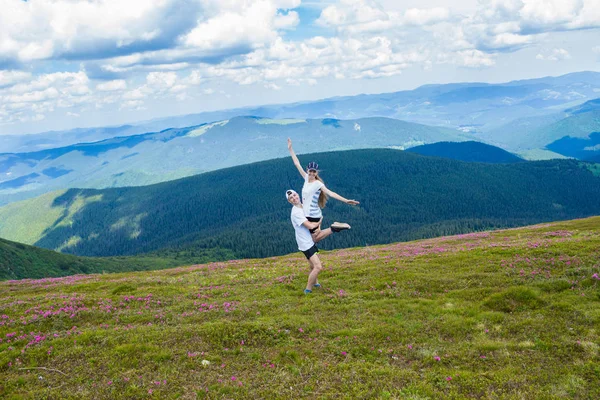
x,y
307,217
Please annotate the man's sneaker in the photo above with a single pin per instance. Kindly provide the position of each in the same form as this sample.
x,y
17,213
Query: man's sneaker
x,y
339,226
316,285
306,291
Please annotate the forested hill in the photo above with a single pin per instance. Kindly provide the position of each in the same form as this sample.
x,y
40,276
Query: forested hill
x,y
466,151
19,261
403,196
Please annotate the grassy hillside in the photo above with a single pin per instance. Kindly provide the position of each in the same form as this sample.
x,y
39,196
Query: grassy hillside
x,y
403,196
540,154
466,151
19,261
575,126
507,314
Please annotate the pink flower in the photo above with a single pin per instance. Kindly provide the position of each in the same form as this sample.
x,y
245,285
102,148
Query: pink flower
x,y
344,353
437,358
233,378
449,378
301,330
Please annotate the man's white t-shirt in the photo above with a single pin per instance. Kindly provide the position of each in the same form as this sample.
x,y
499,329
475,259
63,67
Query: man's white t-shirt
x,y
303,237
310,198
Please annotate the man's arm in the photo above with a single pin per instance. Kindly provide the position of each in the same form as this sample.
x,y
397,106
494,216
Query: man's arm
x,y
310,225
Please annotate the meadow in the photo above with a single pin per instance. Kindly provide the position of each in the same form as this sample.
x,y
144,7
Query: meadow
x,y
507,314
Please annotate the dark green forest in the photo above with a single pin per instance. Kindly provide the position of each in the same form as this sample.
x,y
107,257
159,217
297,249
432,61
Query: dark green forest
x,y
403,196
466,151
19,261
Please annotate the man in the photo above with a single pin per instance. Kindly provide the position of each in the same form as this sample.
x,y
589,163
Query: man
x,y
306,245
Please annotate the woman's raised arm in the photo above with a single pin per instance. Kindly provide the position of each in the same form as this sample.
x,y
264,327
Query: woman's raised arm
x,y
295,159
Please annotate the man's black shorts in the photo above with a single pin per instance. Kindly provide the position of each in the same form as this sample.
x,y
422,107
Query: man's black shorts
x,y
311,252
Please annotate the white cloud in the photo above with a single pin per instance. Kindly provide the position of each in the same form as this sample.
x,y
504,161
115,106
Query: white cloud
x,y
136,94
44,29
138,51
161,80
117,84
554,55
103,29
416,16
132,104
10,78
286,21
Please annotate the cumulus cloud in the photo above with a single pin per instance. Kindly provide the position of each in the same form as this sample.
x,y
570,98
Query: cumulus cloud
x,y
165,49
554,55
508,25
104,29
361,16
10,78
32,98
117,84
67,29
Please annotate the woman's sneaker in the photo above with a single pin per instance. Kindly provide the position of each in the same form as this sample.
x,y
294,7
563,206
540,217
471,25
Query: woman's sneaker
x,y
339,226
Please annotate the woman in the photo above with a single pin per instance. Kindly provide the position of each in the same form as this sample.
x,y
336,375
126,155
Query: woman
x,y
314,195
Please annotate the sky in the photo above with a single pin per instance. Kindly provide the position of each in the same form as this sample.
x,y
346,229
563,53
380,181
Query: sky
x,y
84,63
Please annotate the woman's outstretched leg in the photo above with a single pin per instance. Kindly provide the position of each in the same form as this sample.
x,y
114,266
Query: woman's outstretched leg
x,y
320,235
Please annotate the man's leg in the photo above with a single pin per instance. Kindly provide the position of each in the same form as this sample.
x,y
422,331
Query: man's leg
x,y
315,268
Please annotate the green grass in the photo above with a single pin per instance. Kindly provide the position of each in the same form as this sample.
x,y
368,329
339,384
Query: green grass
x,y
594,167
540,154
510,314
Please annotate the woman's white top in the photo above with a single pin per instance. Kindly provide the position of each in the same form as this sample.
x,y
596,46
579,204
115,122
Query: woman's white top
x,y
303,237
310,198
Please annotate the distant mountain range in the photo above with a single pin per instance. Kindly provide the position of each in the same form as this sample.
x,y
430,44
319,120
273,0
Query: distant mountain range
x,y
490,110
173,153
542,118
240,211
466,151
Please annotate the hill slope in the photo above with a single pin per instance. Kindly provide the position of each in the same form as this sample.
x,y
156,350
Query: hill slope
x,y
157,157
466,151
510,314
583,148
403,196
20,261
